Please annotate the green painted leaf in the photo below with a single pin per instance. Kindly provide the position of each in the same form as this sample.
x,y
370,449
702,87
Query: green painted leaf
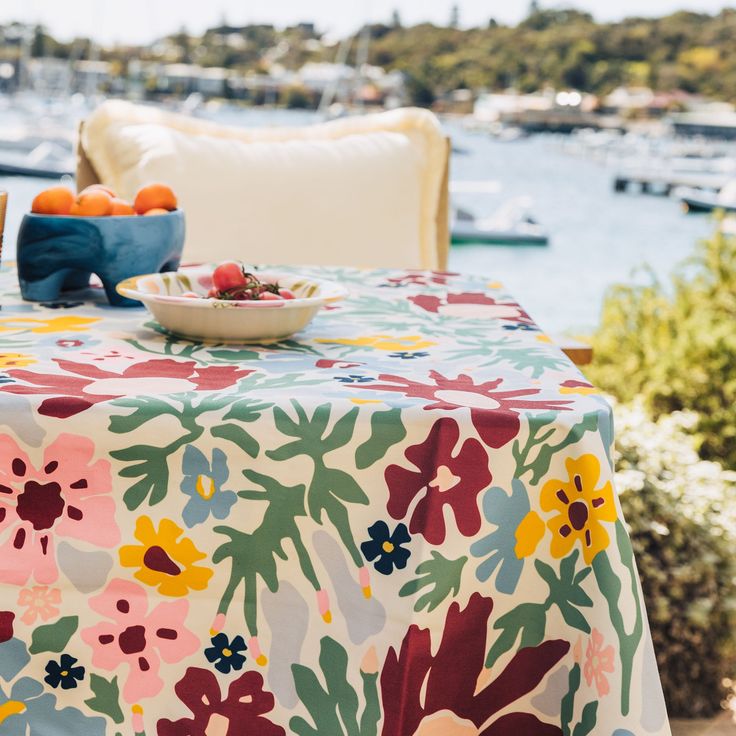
x,y
107,697
235,355
387,430
238,436
334,706
610,586
440,575
527,619
588,720
53,637
540,465
153,470
146,409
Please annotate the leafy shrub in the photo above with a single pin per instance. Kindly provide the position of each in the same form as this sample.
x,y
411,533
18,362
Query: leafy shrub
x,y
676,347
682,517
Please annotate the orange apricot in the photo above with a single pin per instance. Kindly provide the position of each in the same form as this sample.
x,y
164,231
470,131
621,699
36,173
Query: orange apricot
x,y
121,207
156,211
53,201
98,187
154,196
92,204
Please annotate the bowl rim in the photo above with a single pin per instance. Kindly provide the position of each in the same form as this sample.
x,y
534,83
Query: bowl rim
x,y
127,288
101,218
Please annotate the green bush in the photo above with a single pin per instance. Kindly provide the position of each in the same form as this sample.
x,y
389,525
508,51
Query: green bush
x,y
681,513
676,346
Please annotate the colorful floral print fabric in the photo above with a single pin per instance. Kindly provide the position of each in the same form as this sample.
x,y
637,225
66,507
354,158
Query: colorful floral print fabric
x,y
399,522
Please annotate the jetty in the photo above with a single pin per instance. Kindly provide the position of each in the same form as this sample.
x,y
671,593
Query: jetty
x,y
663,182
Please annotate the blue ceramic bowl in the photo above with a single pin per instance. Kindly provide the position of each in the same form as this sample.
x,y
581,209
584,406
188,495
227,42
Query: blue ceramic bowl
x,y
57,253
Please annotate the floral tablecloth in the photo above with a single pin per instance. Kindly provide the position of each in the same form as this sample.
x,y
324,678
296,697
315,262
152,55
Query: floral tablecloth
x,y
401,522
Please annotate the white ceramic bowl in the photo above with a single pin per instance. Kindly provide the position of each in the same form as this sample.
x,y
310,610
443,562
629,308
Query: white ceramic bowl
x,y
229,321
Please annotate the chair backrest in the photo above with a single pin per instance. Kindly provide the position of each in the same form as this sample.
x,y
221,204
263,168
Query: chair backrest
x,y
91,168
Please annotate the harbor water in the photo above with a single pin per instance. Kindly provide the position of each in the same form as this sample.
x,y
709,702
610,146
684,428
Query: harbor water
x,y
597,237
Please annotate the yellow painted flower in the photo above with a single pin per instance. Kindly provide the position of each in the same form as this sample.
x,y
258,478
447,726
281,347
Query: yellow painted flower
x,y
15,360
384,342
581,508
528,535
163,561
583,388
67,323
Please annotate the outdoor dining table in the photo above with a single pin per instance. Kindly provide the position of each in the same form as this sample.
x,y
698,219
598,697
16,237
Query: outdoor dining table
x,y
400,521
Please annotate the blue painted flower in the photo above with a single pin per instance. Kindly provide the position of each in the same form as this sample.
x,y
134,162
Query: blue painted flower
x,y
225,654
29,710
385,548
499,547
203,482
522,326
63,673
354,378
406,355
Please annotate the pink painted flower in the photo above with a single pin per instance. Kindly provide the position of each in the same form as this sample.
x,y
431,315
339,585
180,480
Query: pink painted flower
x,y
598,661
443,474
134,636
81,385
68,496
40,601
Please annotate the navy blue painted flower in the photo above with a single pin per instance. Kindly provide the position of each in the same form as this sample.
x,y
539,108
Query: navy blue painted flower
x,y
225,654
406,355
385,548
522,326
354,378
63,673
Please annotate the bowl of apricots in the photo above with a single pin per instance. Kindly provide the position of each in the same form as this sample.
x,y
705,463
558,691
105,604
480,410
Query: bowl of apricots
x,y
69,236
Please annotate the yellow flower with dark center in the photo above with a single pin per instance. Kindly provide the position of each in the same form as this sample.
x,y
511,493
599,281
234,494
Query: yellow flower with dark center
x,y
581,507
68,323
164,562
15,360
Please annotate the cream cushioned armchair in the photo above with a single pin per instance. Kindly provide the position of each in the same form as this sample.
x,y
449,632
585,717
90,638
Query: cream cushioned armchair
x,y
368,191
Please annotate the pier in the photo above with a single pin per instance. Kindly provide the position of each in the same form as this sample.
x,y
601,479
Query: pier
x,y
663,182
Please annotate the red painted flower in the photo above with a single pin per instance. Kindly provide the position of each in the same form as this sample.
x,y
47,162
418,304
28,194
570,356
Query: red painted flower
x,y
82,385
440,478
454,682
421,278
68,496
241,712
474,305
493,413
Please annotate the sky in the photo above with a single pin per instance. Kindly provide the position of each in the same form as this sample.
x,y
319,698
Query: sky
x,y
140,21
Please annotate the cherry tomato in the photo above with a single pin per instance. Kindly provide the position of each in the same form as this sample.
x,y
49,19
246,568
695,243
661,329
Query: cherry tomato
x,y
269,296
286,293
228,275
